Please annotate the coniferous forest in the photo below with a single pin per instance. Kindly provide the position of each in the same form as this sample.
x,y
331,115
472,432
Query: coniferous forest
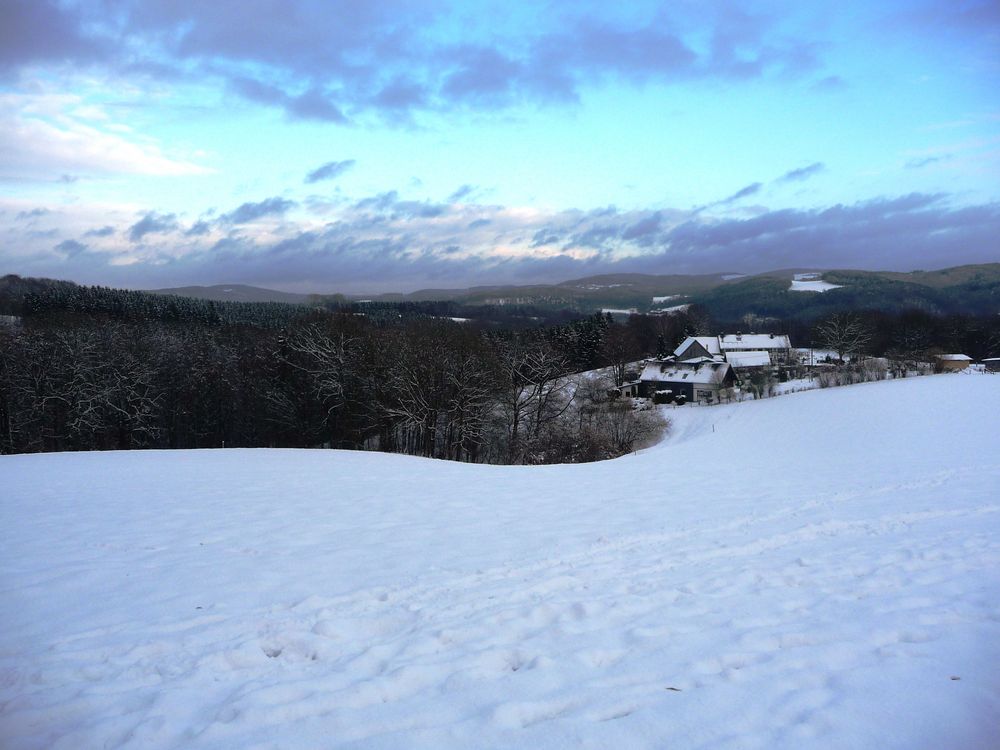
x,y
91,368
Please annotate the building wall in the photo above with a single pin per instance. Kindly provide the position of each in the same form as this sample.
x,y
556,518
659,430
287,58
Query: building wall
x,y
951,365
688,389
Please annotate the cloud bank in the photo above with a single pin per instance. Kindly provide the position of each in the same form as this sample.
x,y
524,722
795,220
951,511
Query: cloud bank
x,y
386,242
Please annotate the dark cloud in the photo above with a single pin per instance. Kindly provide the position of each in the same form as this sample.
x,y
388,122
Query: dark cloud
x,y
390,204
968,17
916,229
102,232
544,237
829,84
198,229
248,212
152,223
32,214
802,173
740,194
642,230
43,31
68,179
329,171
463,191
927,161
71,248
338,60
312,104
477,223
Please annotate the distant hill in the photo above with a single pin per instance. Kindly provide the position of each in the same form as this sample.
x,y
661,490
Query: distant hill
x,y
963,289
236,293
959,290
585,294
973,289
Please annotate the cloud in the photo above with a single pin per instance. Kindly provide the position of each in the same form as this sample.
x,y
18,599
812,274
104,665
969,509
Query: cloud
x,y
740,194
394,207
42,139
830,84
249,212
388,243
71,248
105,231
152,223
198,229
42,31
341,60
925,161
329,171
802,173
463,191
32,214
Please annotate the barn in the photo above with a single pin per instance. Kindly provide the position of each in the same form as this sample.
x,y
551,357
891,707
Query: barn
x,y
951,362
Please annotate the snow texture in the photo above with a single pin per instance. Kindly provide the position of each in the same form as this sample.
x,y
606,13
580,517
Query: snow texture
x,y
754,342
820,570
811,282
749,359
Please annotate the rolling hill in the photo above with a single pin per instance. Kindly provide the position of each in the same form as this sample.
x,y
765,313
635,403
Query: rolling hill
x,y
775,574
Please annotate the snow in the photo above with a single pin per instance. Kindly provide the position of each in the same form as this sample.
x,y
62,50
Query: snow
x,y
665,298
811,282
812,356
748,359
813,571
711,344
619,310
754,341
672,309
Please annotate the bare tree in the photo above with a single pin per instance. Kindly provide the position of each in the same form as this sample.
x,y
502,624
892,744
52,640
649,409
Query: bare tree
x,y
533,393
845,334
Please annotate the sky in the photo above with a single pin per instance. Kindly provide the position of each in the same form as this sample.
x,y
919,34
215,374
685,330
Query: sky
x,y
361,147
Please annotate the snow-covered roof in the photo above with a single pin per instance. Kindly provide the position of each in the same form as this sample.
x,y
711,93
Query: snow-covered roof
x,y
699,360
748,359
755,341
711,344
704,372
954,357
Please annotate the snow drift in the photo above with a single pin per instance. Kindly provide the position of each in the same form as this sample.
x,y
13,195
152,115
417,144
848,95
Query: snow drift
x,y
813,571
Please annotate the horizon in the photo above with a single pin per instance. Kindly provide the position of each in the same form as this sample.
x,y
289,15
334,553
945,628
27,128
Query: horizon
x,y
453,145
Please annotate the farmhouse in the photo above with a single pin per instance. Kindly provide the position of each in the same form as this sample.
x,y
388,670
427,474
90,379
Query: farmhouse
x,y
703,379
992,364
951,362
777,346
699,346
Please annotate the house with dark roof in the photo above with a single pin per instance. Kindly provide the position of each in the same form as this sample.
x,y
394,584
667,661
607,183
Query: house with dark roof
x,y
703,379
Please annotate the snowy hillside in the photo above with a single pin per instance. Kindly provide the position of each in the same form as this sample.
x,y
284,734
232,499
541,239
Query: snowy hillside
x,y
820,570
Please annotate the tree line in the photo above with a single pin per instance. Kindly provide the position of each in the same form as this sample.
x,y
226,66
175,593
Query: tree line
x,y
92,370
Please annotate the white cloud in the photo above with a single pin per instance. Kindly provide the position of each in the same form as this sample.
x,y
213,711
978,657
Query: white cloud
x,y
42,137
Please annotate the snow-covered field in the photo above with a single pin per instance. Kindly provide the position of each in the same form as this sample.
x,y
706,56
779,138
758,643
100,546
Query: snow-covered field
x,y
811,282
820,570
812,286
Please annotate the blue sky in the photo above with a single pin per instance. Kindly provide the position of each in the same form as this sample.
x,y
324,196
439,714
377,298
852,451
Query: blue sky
x,y
361,147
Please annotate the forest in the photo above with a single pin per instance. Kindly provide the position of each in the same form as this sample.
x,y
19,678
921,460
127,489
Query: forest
x,y
91,368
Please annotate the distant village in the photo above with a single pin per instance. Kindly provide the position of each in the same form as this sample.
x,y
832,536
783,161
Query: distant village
x,y
718,369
